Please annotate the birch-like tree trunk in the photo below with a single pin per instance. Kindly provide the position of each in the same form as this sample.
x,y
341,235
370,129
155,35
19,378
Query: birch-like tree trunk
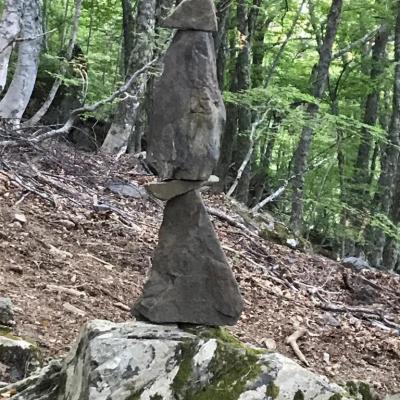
x,y
319,82
57,83
142,52
10,26
14,103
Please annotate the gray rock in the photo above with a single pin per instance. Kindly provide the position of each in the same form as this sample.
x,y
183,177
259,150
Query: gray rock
x,y
18,355
198,15
188,112
127,190
170,189
356,263
141,361
6,312
191,281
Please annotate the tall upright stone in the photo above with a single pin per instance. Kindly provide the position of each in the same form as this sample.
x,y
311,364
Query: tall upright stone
x,y
188,112
191,281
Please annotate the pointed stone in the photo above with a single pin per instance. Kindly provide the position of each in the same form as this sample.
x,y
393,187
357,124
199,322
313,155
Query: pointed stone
x,y
198,15
191,281
188,114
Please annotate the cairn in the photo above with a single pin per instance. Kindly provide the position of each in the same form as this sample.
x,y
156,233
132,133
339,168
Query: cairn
x,y
191,281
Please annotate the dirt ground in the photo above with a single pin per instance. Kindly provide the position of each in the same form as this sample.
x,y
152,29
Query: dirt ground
x,y
72,251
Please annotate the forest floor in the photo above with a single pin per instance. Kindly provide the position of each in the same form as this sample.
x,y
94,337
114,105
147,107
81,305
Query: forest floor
x,y
72,251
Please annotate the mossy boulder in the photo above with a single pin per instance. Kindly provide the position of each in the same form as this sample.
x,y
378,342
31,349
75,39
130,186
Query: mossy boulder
x,y
140,361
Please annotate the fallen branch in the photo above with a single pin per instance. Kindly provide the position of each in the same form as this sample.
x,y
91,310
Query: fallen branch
x,y
292,342
270,198
78,111
231,221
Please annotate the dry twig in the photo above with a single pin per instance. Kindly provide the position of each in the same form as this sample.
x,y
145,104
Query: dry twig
x,y
292,342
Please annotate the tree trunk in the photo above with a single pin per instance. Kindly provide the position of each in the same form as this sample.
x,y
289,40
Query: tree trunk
x,y
221,40
371,115
14,103
123,126
57,83
128,28
319,82
246,17
10,26
383,199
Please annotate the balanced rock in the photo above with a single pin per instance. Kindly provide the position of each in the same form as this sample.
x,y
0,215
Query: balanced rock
x,y
198,15
168,190
191,281
188,112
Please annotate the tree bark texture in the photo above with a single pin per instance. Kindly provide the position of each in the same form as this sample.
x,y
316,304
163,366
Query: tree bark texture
x,y
383,200
142,52
58,82
319,82
246,20
371,115
14,103
10,26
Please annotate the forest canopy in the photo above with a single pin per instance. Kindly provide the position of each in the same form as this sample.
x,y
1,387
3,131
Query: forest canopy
x,y
312,91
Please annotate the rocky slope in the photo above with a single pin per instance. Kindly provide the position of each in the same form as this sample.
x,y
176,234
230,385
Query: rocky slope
x,y
73,250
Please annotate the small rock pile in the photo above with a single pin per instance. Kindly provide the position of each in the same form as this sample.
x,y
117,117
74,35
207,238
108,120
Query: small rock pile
x,y
191,281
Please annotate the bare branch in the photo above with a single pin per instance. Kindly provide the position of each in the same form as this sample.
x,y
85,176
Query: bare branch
x,y
78,111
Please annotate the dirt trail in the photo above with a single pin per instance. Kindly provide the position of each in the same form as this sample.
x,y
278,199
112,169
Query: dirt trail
x,y
83,253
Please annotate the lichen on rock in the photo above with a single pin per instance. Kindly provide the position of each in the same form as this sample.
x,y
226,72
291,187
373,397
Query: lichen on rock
x,y
142,361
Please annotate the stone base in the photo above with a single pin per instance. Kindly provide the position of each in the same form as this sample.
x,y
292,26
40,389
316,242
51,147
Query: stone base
x,y
137,361
191,281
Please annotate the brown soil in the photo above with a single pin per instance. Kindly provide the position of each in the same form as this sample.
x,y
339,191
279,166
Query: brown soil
x,y
103,254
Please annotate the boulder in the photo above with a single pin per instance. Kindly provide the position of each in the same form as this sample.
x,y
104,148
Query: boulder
x,y
6,312
188,113
18,357
198,15
139,361
168,190
191,281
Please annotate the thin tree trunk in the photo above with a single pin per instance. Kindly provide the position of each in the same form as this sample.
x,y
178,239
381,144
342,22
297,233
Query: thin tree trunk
x,y
123,126
10,26
391,251
319,82
221,40
14,103
247,17
283,46
57,83
128,29
383,199
371,115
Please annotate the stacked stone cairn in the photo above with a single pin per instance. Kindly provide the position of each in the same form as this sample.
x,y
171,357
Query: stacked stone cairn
x,y
191,281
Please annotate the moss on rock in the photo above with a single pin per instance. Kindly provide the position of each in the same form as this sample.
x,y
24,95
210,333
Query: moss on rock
x,y
272,390
231,368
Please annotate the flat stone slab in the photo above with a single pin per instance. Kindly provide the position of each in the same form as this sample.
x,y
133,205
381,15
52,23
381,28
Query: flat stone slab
x,y
198,15
168,190
191,281
188,114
